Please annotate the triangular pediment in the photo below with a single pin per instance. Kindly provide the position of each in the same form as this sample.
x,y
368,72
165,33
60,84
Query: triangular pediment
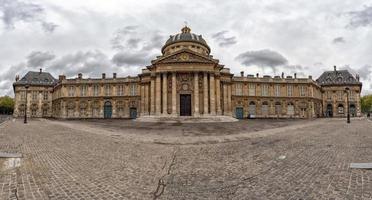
x,y
184,56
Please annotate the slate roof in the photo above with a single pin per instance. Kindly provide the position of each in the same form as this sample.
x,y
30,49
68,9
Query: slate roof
x,y
37,78
337,77
186,36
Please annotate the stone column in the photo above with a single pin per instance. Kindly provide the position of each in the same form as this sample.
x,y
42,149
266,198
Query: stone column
x,y
225,104
196,94
218,96
229,99
165,94
158,94
205,93
142,99
174,94
212,85
146,99
152,97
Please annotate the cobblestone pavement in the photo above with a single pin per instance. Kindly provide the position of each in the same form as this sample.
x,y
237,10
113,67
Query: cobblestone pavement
x,y
106,160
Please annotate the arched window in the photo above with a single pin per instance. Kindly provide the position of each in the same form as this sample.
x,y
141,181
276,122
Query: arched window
x,y
265,108
252,108
340,109
278,108
290,109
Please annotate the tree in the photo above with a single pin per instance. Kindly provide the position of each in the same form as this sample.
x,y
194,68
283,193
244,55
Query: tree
x,y
366,103
6,105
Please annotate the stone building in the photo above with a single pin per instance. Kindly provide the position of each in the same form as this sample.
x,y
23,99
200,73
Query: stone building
x,y
337,85
184,81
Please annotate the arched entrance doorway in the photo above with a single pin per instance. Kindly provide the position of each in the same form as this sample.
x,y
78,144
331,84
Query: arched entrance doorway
x,y
329,111
239,113
352,110
133,113
107,110
251,109
290,109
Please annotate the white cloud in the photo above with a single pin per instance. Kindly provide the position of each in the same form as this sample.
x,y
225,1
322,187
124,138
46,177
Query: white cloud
x,y
329,32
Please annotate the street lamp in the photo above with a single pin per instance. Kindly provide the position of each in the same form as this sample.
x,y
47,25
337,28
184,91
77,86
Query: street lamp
x,y
348,105
25,120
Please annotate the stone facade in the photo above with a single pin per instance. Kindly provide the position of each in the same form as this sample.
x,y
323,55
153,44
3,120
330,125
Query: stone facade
x,y
185,81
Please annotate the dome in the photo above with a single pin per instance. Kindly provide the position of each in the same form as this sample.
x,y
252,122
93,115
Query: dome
x,y
185,36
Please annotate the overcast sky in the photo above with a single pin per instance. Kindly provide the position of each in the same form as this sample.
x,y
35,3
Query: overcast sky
x,y
256,36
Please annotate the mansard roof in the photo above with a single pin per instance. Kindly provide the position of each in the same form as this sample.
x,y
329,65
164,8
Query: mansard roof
x,y
37,78
337,77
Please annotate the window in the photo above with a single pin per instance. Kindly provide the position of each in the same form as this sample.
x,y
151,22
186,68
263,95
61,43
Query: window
x,y
83,90
351,95
339,94
96,90
120,90
277,90
340,109
23,95
46,95
71,91
34,95
133,89
239,89
252,89
107,90
329,95
303,90
265,90
289,90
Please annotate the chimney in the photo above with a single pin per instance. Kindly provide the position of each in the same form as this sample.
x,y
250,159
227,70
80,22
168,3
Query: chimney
x,y
257,75
311,77
242,73
41,70
80,76
295,75
282,74
334,67
114,75
61,77
17,78
103,75
357,77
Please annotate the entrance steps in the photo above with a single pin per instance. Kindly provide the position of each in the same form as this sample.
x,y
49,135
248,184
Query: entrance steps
x,y
186,119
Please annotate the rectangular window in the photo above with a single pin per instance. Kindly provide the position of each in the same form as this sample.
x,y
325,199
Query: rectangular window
x,y
265,90
303,90
252,90
277,90
329,95
239,89
289,90
340,95
120,90
34,95
133,89
83,90
46,95
107,90
23,95
96,90
351,95
71,91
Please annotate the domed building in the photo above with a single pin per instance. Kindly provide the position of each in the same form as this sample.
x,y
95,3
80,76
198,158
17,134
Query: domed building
x,y
186,82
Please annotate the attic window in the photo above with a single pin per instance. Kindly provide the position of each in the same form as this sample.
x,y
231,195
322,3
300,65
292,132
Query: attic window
x,y
339,79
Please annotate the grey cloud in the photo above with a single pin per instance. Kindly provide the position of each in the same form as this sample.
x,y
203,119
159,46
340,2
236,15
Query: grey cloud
x,y
365,72
338,40
222,40
361,18
13,11
39,59
49,26
263,58
130,59
90,63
